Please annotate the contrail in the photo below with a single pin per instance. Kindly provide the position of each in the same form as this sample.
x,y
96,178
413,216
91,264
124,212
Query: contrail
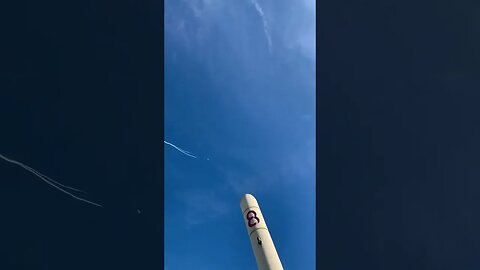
x,y
265,25
50,181
181,150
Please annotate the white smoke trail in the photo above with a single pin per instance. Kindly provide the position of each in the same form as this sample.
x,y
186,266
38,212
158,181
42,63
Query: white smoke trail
x,y
50,181
265,24
181,150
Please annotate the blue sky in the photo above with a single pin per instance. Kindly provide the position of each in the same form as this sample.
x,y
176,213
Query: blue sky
x,y
240,96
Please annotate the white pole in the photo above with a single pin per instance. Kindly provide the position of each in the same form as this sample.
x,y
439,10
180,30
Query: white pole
x,y
262,244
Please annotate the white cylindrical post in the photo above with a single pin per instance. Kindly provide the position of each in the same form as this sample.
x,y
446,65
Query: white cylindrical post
x,y
262,244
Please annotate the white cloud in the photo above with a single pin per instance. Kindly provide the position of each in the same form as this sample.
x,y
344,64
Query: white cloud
x,y
188,21
299,31
201,206
310,4
194,22
302,162
242,184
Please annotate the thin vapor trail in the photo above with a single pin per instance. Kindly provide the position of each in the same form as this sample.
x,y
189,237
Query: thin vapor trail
x,y
49,181
265,24
181,150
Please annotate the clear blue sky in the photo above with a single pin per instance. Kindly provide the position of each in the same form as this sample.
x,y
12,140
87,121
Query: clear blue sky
x,y
240,96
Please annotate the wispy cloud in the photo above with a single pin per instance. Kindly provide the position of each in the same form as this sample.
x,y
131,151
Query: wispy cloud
x,y
194,22
266,28
50,181
291,163
299,28
240,184
180,149
203,205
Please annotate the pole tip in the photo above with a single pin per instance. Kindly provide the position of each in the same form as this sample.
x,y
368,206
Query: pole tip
x,y
247,200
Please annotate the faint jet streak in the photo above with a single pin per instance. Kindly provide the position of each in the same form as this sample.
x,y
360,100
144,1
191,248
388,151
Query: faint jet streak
x,y
266,29
50,181
181,150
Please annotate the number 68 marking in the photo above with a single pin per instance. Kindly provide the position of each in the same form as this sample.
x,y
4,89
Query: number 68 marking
x,y
252,218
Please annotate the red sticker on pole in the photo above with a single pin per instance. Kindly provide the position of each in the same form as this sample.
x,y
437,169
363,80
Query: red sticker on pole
x,y
252,218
